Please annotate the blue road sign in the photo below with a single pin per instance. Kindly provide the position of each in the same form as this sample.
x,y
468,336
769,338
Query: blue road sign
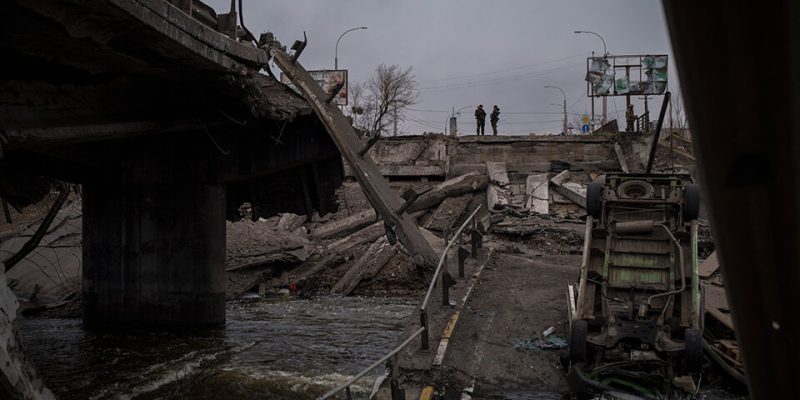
x,y
585,128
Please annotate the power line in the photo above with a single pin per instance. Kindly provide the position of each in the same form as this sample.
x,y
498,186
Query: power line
x,y
582,55
493,81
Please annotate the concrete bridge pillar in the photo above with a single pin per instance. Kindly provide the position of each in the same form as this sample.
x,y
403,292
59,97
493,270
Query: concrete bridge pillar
x,y
153,254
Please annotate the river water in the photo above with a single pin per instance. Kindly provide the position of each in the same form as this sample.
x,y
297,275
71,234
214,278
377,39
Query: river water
x,y
281,349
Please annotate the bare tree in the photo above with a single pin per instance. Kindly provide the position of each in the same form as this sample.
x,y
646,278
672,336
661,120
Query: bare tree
x,y
386,98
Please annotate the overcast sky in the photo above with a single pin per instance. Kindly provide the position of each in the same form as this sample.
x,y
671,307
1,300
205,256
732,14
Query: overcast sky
x,y
469,52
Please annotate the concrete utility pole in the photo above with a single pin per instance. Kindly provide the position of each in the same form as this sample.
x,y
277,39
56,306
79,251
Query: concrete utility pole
x,y
336,51
565,105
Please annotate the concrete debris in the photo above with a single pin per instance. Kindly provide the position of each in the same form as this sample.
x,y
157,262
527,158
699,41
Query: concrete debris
x,y
498,194
18,379
290,222
366,267
345,225
572,191
537,193
623,162
467,183
709,266
255,244
446,215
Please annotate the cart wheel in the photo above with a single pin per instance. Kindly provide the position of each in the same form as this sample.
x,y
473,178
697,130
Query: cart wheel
x,y
691,202
693,339
577,340
594,199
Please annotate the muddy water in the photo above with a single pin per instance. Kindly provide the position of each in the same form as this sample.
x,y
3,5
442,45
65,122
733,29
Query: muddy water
x,y
275,349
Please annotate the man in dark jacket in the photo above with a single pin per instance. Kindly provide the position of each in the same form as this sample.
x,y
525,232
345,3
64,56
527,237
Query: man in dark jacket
x,y
494,117
480,118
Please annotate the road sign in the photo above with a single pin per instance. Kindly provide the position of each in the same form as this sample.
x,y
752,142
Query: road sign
x,y
585,128
585,119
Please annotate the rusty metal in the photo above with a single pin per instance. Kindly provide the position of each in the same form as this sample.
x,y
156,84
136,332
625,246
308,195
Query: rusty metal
x,y
462,258
375,187
423,323
654,145
447,282
298,48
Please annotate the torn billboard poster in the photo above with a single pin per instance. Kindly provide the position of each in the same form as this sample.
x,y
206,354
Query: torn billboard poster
x,y
327,79
601,76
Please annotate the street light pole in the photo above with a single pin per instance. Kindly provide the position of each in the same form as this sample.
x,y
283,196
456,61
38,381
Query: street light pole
x,y
336,52
565,105
605,55
605,50
455,113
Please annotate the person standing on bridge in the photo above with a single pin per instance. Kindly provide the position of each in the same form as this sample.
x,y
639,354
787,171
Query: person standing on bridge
x,y
494,117
480,118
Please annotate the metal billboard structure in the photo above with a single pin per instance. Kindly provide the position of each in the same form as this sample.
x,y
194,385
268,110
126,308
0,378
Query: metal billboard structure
x,y
626,75
328,80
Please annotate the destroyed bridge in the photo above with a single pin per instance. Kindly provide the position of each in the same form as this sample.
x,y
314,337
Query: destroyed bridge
x,y
157,108
169,127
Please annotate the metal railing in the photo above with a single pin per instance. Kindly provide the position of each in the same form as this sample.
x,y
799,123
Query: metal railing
x,y
398,393
446,280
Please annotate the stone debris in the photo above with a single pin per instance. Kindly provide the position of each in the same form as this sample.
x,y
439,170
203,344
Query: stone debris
x,y
538,193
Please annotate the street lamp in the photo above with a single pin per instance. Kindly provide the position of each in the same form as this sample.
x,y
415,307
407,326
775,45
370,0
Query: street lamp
x,y
565,105
336,53
605,51
454,123
605,55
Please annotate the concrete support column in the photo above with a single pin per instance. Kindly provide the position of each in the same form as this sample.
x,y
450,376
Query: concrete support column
x,y
153,254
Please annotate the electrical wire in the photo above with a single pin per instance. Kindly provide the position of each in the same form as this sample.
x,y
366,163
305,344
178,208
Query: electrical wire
x,y
495,72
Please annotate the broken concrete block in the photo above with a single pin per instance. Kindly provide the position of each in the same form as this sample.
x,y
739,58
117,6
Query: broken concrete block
x,y
345,225
289,221
448,212
537,189
498,174
573,191
709,266
498,195
458,186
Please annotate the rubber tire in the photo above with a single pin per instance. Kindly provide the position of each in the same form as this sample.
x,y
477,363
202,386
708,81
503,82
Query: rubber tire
x,y
594,199
693,340
577,340
691,202
646,187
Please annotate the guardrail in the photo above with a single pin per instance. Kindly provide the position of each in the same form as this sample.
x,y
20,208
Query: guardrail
x,y
397,392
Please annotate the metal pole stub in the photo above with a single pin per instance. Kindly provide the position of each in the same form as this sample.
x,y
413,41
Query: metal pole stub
x,y
447,281
423,322
462,258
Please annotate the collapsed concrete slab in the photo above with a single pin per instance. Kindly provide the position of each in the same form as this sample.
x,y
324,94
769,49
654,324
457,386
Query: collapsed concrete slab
x,y
537,191
498,195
